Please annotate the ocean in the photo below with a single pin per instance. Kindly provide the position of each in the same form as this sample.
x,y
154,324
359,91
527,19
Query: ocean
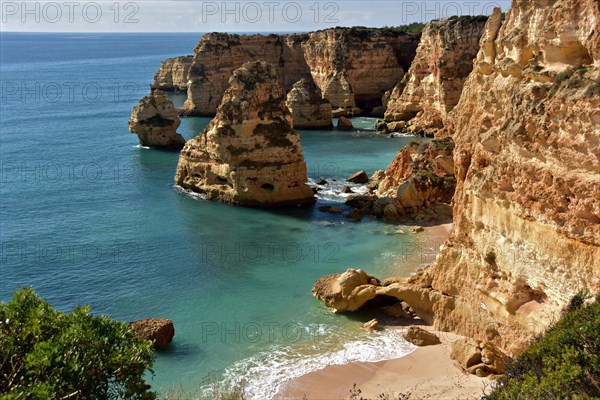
x,y
90,217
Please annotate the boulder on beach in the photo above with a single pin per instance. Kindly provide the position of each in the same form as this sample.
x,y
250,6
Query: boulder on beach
x,y
420,337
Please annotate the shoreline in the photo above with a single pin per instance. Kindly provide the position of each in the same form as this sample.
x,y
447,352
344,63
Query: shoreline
x,y
426,373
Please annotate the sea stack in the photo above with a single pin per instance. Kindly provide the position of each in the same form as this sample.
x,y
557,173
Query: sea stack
x,y
155,121
308,107
249,154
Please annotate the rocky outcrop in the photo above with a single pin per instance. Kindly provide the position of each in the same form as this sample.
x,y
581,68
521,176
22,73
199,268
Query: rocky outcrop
x,y
308,107
420,175
173,74
434,82
159,330
345,124
526,233
249,154
420,337
155,121
353,67
478,358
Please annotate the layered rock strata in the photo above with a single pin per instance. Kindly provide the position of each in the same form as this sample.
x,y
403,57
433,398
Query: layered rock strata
x,y
155,120
434,82
353,67
173,74
249,154
308,107
526,233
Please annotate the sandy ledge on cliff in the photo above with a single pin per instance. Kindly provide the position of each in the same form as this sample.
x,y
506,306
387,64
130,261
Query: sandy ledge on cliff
x,y
426,373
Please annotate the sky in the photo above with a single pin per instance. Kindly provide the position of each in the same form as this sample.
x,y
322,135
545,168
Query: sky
x,y
225,16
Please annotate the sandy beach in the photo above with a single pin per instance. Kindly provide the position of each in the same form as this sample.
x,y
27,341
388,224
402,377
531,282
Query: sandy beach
x,y
426,373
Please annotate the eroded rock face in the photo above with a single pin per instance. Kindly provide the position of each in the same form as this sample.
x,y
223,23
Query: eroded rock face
x,y
173,74
159,330
526,233
527,212
353,68
420,175
249,154
155,121
218,55
434,82
308,107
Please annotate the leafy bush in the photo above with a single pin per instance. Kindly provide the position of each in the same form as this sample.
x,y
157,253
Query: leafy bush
x,y
47,354
563,364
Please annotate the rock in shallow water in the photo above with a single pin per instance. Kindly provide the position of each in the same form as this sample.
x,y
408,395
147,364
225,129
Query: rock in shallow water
x,y
345,124
359,177
159,330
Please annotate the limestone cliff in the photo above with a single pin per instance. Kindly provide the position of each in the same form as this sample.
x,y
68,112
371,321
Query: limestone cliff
x,y
527,157
219,54
173,74
249,154
526,233
434,82
353,67
308,107
155,121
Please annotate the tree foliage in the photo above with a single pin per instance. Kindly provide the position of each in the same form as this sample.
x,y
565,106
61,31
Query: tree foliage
x,y
47,354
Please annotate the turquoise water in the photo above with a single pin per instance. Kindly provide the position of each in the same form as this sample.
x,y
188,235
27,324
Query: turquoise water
x,y
89,217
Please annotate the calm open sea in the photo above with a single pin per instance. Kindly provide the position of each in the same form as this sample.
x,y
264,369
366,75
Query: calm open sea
x,y
89,217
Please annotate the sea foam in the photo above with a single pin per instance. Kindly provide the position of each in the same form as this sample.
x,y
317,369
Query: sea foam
x,y
265,374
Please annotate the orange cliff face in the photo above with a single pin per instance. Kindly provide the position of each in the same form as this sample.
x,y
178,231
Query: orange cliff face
x,y
526,236
526,233
433,85
353,67
173,74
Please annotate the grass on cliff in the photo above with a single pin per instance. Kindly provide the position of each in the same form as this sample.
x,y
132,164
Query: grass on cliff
x,y
563,364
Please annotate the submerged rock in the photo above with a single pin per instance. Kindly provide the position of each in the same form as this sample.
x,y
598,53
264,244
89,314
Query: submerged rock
x,y
155,121
159,330
249,154
308,107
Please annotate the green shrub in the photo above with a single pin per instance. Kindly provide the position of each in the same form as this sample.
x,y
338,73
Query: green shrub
x,y
563,364
47,354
